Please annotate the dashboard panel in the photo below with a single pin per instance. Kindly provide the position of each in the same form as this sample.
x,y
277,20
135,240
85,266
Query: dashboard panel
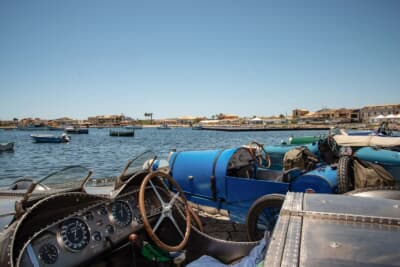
x,y
89,232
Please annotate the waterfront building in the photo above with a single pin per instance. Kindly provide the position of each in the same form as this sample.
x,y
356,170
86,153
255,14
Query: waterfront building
x,y
64,121
342,115
370,113
7,123
106,120
189,119
232,117
256,121
296,113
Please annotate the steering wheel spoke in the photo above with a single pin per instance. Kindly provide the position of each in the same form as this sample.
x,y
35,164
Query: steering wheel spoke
x,y
173,199
162,217
157,193
171,217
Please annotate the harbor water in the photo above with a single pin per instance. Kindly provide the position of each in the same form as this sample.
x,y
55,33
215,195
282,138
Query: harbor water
x,y
106,156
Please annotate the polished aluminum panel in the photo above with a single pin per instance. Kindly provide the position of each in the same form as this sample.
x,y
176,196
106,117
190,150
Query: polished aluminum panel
x,y
335,230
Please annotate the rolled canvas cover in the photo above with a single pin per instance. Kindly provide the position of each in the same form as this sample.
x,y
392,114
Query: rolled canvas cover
x,y
358,141
367,174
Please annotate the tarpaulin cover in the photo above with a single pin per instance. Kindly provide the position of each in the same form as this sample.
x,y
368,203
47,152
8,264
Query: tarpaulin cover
x,y
359,141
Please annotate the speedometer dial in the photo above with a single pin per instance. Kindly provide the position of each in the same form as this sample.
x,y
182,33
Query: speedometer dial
x,y
121,213
75,234
48,253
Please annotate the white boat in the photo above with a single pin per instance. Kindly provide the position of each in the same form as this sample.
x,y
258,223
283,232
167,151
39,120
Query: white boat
x,y
50,138
76,130
7,146
164,126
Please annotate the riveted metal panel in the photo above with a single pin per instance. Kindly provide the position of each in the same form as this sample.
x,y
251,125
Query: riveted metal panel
x,y
276,246
335,230
345,243
292,244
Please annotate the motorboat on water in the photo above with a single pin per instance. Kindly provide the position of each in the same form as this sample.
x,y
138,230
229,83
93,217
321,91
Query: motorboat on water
x,y
50,138
134,127
164,126
197,127
7,146
77,130
122,132
69,218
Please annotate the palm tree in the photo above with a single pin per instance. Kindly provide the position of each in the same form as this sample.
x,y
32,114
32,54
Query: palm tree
x,y
146,115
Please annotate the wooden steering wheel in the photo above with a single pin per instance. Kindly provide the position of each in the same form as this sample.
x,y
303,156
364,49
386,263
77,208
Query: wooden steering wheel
x,y
166,212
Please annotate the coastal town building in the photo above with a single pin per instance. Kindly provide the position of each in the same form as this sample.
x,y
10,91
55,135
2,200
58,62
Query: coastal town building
x,y
222,116
370,113
342,115
106,120
7,123
32,122
326,115
64,121
189,119
256,121
297,113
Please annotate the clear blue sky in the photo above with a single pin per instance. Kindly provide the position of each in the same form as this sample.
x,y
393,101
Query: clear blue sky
x,y
83,58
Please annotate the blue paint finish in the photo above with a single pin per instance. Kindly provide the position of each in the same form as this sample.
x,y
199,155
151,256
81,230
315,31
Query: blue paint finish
x,y
220,172
321,180
244,189
381,156
199,166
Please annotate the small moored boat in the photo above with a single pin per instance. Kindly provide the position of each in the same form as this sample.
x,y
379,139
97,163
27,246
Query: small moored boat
x,y
197,127
49,138
164,126
76,130
134,127
6,146
122,133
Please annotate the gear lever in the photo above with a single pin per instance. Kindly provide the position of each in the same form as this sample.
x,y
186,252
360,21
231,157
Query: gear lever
x,y
134,240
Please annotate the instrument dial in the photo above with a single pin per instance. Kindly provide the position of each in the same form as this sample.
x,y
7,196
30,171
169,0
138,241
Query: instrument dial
x,y
121,213
109,229
48,253
88,216
102,210
96,235
75,234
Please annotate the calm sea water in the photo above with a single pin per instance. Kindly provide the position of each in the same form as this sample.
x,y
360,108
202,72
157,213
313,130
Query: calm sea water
x,y
106,156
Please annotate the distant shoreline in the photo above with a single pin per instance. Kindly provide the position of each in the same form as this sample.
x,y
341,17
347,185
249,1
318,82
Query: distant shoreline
x,y
254,129
246,127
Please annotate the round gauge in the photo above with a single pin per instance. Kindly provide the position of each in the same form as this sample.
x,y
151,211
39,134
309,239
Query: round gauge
x,y
88,216
109,229
102,210
121,213
137,216
48,253
75,234
96,235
